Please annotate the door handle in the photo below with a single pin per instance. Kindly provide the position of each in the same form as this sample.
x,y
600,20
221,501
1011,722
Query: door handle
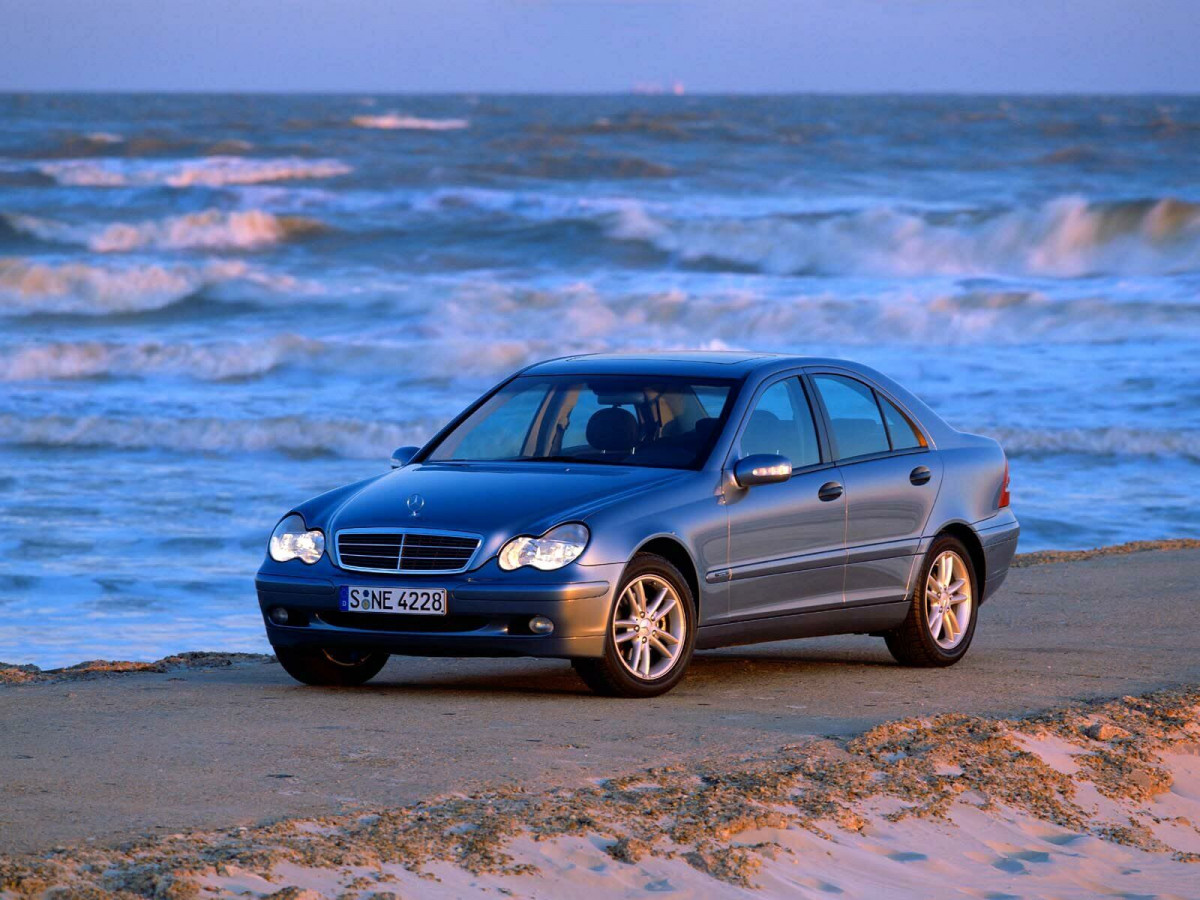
x,y
830,490
920,475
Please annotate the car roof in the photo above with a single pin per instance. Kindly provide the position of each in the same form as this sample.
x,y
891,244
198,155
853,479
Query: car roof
x,y
695,363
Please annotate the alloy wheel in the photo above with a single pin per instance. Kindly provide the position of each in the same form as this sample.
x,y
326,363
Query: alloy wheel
x,y
948,600
648,627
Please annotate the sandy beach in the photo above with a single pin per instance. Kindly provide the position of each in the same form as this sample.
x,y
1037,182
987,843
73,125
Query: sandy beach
x,y
1062,758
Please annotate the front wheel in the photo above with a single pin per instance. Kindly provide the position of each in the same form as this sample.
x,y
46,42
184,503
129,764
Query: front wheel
x,y
651,633
941,619
331,668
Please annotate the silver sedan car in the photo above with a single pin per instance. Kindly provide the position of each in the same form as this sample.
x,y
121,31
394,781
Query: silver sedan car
x,y
622,511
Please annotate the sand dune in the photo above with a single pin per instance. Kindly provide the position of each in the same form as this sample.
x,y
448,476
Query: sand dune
x,y
183,783
1077,801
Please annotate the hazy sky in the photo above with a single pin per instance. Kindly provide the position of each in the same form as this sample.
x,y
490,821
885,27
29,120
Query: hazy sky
x,y
600,45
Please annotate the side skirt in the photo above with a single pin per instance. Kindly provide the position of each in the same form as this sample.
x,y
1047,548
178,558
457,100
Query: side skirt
x,y
848,620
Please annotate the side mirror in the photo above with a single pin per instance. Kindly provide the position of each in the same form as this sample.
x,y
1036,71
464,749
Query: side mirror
x,y
761,468
403,456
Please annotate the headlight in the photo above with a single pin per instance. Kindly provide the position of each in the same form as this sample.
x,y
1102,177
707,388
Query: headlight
x,y
552,550
292,539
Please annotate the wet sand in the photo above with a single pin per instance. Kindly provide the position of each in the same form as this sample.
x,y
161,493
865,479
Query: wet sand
x,y
87,759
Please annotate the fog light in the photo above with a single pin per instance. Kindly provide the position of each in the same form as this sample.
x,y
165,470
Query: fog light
x,y
279,615
540,625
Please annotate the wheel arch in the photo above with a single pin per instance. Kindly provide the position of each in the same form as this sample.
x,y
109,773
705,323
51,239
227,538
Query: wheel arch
x,y
674,551
970,540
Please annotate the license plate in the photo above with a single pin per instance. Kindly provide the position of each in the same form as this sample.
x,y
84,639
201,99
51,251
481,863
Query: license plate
x,y
397,600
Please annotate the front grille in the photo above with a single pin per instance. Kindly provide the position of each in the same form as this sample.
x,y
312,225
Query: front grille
x,y
416,552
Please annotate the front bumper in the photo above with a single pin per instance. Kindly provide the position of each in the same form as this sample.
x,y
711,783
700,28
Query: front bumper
x,y
488,611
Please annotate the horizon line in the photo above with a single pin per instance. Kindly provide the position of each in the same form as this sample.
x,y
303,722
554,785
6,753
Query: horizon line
x,y
8,91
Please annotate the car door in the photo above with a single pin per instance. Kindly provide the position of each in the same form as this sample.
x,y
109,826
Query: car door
x,y
786,540
891,480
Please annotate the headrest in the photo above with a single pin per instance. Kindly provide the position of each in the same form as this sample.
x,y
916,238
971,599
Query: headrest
x,y
704,429
613,430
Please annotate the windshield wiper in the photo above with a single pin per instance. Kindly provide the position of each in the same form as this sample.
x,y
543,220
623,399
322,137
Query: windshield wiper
x,y
565,459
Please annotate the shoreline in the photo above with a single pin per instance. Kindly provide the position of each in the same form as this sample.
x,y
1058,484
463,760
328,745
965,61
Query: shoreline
x,y
26,673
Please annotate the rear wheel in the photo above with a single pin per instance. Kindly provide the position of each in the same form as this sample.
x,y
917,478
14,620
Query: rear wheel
x,y
941,619
335,668
651,633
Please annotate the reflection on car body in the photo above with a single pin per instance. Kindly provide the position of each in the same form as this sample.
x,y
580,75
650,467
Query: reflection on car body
x,y
621,511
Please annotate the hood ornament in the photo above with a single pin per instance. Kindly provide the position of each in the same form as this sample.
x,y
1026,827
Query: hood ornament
x,y
415,504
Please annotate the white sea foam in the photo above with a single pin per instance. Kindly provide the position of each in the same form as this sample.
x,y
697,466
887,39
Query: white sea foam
x,y
1115,441
211,230
209,171
395,122
356,439
211,361
28,286
579,317
295,435
1068,237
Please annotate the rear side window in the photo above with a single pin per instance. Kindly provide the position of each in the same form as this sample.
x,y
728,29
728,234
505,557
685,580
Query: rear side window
x,y
782,424
904,435
854,417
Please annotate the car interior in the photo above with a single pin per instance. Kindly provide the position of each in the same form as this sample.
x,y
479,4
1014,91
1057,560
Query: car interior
x,y
647,426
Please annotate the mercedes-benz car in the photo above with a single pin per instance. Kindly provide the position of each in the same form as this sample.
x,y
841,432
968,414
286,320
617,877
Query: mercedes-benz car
x,y
623,511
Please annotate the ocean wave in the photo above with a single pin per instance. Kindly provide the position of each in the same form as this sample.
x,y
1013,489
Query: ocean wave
x,y
28,287
210,171
213,361
93,144
1067,237
357,439
577,165
396,122
1114,441
210,230
293,435
444,358
578,317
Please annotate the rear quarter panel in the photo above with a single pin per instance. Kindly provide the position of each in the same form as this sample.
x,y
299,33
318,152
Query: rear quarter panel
x,y
972,477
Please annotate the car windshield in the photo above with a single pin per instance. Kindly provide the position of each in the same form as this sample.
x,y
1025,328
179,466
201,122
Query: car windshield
x,y
628,420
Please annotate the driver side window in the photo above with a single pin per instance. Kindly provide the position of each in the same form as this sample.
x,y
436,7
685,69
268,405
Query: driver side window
x,y
782,424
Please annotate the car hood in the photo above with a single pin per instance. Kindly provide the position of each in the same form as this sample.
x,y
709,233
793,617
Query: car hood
x,y
495,500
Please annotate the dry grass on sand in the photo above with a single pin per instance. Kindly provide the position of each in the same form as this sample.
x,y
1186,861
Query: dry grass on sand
x,y
1075,801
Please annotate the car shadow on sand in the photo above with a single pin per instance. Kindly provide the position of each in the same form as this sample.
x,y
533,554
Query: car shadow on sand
x,y
730,669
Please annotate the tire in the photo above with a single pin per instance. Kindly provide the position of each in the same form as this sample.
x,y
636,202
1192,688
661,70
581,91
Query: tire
x,y
914,643
331,668
612,675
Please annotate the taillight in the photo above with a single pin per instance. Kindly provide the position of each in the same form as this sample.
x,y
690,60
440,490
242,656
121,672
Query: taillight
x,y
1005,497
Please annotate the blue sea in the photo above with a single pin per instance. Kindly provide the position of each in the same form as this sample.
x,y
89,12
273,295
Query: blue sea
x,y
212,307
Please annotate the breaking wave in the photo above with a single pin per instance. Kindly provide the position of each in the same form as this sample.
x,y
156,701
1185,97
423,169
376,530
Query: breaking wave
x,y
356,439
396,122
30,288
1100,441
1068,237
216,361
209,230
578,316
211,171
444,358
293,435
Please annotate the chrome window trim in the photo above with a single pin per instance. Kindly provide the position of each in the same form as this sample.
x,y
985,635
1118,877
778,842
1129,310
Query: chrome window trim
x,y
869,383
337,550
733,454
